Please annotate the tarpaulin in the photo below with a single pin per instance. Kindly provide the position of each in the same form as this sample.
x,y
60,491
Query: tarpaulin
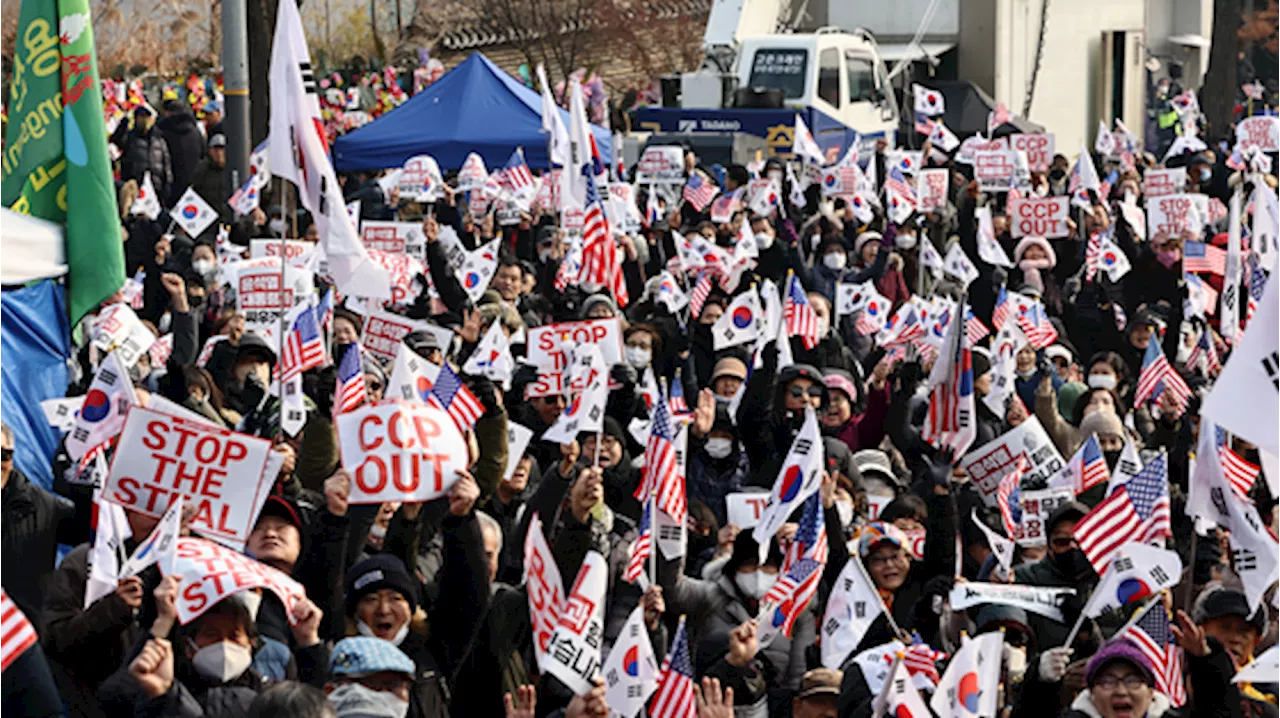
x,y
34,343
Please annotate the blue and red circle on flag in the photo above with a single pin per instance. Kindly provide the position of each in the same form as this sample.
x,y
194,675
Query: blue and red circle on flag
x,y
631,661
190,211
792,480
97,405
473,278
1132,589
742,317
968,692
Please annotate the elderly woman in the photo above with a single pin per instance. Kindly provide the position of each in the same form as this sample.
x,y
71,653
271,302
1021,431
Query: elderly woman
x,y
1121,684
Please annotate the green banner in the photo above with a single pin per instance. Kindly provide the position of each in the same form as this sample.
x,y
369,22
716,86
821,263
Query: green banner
x,y
55,154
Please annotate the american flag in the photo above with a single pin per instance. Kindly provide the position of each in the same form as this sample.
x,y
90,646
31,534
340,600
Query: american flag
x,y
1035,324
1134,512
1205,355
456,399
674,697
950,418
676,402
789,595
1008,497
641,548
699,191
324,311
1001,312
904,326
1092,256
351,391
16,632
924,125
1151,635
1090,465
1201,257
974,327
1158,376
515,175
895,183
662,475
802,321
303,345
701,290
920,658
1240,473
810,539
599,253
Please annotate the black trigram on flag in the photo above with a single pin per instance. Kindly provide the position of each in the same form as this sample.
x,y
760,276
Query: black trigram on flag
x,y
308,78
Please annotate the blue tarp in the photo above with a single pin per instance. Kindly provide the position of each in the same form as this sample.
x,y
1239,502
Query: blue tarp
x,y
35,341
475,107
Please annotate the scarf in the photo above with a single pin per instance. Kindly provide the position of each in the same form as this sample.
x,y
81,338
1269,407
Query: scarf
x,y
1031,271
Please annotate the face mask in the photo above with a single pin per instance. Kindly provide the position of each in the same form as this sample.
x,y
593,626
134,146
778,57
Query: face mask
x,y
1057,175
358,699
277,226
378,531
718,448
834,260
764,240
638,357
222,661
776,176
1112,458
1015,661
905,241
1102,381
1073,563
824,326
845,511
544,255
137,373
755,584
1205,174
364,630
203,267
1025,374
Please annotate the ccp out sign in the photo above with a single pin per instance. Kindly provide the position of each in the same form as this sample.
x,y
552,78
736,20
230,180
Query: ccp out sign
x,y
400,451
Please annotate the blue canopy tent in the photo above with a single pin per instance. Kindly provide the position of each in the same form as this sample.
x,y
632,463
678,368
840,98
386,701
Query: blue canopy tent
x,y
475,107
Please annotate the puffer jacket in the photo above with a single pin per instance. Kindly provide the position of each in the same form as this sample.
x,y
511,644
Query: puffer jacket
x,y
142,152
186,149
1083,707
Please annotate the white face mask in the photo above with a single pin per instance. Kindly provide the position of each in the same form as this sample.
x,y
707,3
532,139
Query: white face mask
x,y
543,254
639,357
358,699
363,629
277,226
755,584
845,510
824,326
203,267
1102,381
905,241
834,260
764,240
1015,661
222,661
378,531
776,176
719,447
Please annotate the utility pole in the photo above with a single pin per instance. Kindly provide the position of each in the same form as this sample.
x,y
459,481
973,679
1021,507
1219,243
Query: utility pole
x,y
235,82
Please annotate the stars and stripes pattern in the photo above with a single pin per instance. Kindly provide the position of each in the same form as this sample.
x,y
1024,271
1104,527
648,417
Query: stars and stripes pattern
x,y
1092,464
974,327
950,418
456,399
699,191
921,659
515,175
790,595
1001,312
641,548
1035,323
1092,256
303,346
324,311
675,696
1202,257
1257,282
1204,355
662,475
599,253
701,290
676,402
1134,512
16,632
351,391
1159,376
1240,473
1150,634
801,320
1008,497
810,540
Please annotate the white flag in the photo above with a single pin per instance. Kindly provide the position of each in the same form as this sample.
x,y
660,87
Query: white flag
x,y
299,152
293,410
929,102
853,606
104,409
989,248
930,258
104,555
1262,669
797,189
942,137
1133,572
411,376
573,650
192,213
1244,400
1229,313
148,202
740,323
804,147
573,188
553,124
1104,144
799,478
1000,546
586,411
492,357
1112,259
958,265
1265,236
899,697
971,683
161,545
478,268
631,670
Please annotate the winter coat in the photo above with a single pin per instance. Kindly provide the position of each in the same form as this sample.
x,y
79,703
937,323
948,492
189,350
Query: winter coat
x,y
501,659
186,149
1065,435
34,522
1083,707
1214,693
711,480
142,152
1045,573
865,430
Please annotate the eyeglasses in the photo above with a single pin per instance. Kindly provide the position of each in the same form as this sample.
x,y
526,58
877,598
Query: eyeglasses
x,y
6,454
797,391
882,559
1131,682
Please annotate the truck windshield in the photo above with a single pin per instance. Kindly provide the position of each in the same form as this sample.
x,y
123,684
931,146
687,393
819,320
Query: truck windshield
x,y
779,69
862,79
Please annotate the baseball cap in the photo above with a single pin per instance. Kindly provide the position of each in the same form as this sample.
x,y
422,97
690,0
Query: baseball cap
x,y
874,461
218,140
277,506
1221,601
362,655
878,532
729,366
820,682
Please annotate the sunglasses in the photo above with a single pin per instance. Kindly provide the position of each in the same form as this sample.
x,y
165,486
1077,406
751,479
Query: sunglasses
x,y
798,391
1063,542
6,454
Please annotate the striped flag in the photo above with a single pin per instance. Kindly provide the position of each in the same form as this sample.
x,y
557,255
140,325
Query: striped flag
x,y
1034,321
599,253
1088,466
810,541
787,599
1150,633
1158,376
699,191
515,175
1134,512
456,399
324,311
1001,312
641,548
974,327
802,321
662,475
675,695
1092,256
1009,497
351,391
1202,257
950,421
16,632
1204,355
303,345
1240,473
921,659
701,290
676,402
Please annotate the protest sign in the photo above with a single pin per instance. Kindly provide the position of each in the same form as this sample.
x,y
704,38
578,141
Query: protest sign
x,y
915,542
876,504
384,331
219,472
394,237
931,185
1262,132
1034,599
118,329
211,573
661,165
546,343
620,207
1172,215
976,143
993,169
1040,217
518,437
1037,505
403,271
989,463
509,213
1039,149
400,451
1162,183
420,179
544,588
744,509
573,649
261,300
295,250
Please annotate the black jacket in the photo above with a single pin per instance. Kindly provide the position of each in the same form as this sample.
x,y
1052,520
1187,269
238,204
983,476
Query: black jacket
x,y
35,521
142,152
186,149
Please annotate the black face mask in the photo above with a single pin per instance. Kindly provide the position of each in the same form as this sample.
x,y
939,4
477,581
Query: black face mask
x,y
1112,458
1057,175
698,543
1073,563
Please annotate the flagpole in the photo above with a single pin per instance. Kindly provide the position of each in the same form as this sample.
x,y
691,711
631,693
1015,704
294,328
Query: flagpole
x,y
290,206
653,537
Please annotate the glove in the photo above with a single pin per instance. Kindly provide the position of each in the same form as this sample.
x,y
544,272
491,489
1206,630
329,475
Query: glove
x,y
1046,365
253,392
1053,664
999,276
624,374
1071,290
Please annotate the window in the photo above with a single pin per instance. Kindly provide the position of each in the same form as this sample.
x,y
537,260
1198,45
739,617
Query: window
x,y
829,76
862,77
779,69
